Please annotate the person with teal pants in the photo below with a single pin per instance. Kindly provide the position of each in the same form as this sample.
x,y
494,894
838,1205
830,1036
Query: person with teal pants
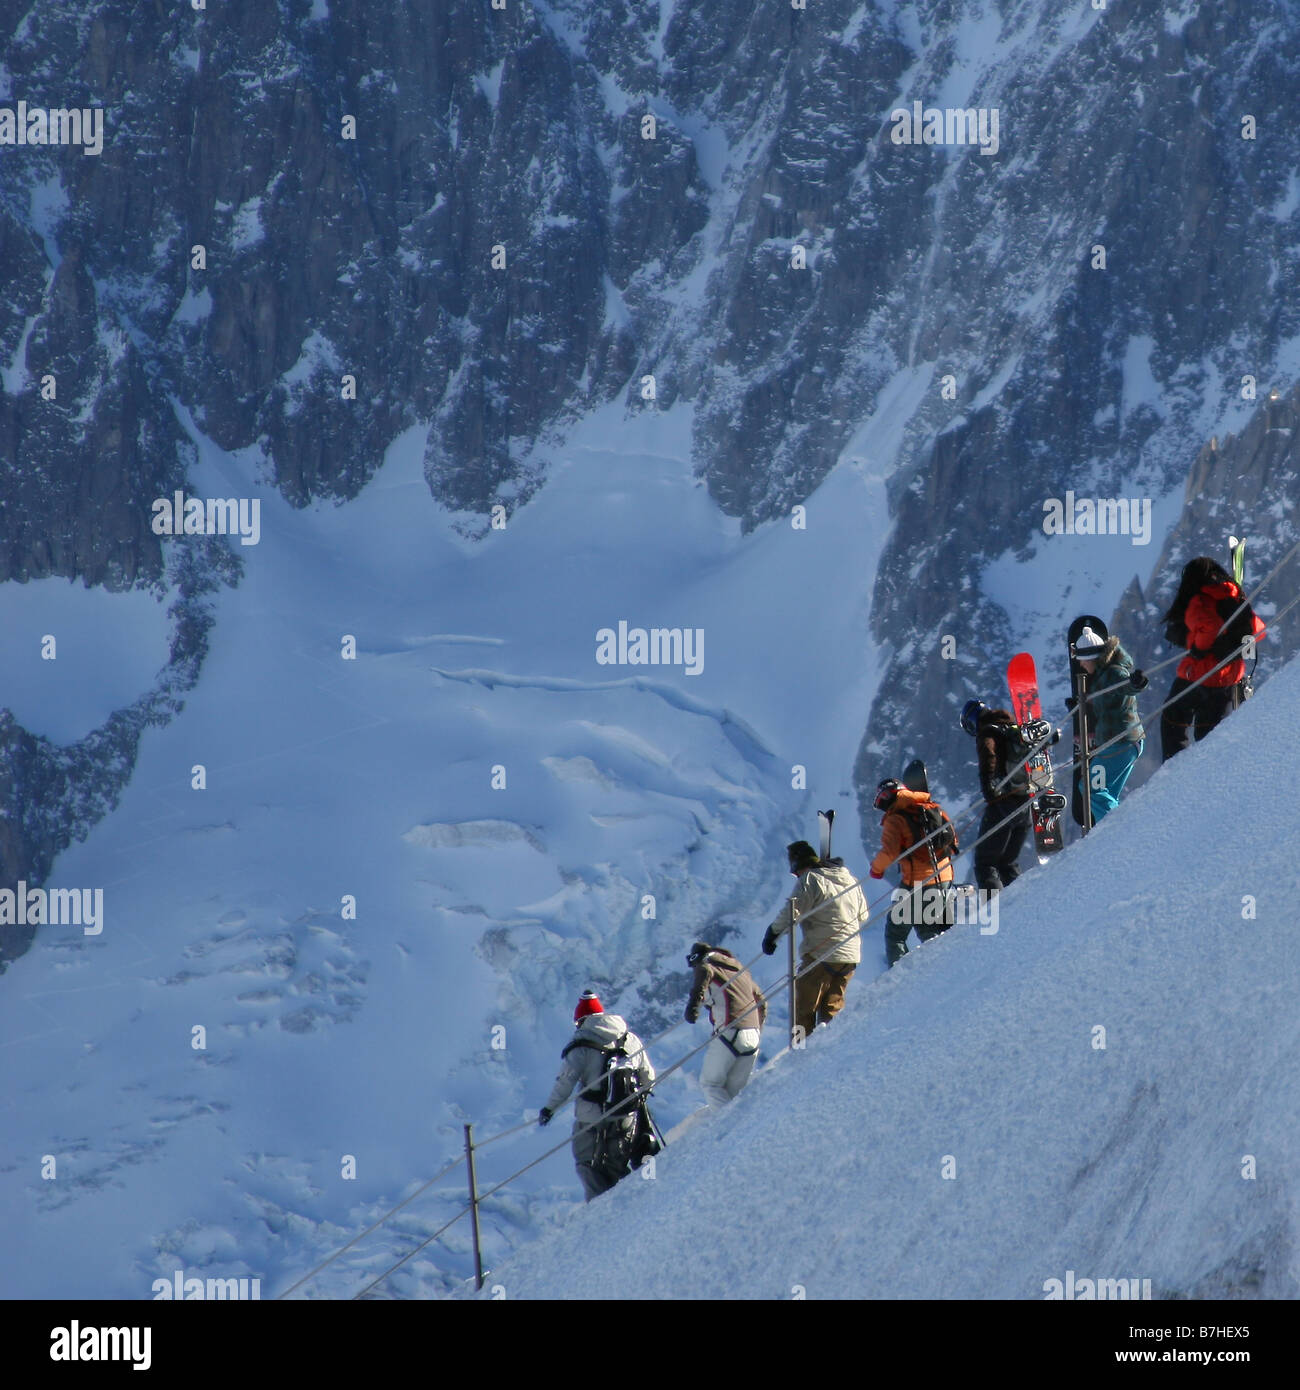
x,y
1112,714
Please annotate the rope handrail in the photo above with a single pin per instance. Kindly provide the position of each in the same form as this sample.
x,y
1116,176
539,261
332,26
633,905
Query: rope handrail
x,y
311,1274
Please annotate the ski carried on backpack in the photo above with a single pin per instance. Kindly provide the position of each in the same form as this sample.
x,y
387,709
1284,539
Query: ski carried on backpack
x,y
1047,803
1079,694
825,823
944,845
1237,551
917,779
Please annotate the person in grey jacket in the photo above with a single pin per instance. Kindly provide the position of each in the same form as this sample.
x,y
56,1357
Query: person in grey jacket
x,y
599,1154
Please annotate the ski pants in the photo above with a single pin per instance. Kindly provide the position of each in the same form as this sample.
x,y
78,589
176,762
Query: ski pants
x,y
1006,823
1117,764
596,1177
727,1064
1199,709
819,994
926,907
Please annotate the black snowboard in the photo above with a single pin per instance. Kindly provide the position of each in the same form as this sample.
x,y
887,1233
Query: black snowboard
x,y
915,778
1081,805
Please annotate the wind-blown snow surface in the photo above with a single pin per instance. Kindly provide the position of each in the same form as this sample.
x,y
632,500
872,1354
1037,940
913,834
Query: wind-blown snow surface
x,y
477,908
826,1175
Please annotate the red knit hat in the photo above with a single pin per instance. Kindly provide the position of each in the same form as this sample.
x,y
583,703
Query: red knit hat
x,y
588,1004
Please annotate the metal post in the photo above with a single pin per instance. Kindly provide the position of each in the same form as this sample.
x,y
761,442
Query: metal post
x,y
792,1021
473,1206
1080,680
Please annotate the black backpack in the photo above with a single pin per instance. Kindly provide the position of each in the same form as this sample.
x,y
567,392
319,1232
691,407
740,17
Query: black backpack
x,y
1238,626
618,1082
927,820
630,1135
1015,753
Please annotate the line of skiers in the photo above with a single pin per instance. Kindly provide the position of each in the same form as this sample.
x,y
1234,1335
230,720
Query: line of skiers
x,y
613,1131
1209,619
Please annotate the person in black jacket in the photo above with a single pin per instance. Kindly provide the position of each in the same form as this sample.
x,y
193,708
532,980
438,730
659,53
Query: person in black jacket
x,y
1007,795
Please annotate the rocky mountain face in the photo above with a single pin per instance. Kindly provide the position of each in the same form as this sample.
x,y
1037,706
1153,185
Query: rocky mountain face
x,y
316,222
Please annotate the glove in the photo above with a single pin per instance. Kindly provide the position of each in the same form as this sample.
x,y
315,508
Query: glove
x,y
874,874
1071,704
1138,680
692,1013
1176,634
769,943
543,1117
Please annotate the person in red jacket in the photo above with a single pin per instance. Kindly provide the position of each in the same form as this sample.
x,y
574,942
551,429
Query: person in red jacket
x,y
1210,618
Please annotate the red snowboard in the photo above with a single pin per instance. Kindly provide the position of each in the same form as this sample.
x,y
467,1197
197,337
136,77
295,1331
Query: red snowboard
x,y
1022,681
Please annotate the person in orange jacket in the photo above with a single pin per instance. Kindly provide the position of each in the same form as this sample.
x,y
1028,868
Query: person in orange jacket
x,y
924,868
1209,617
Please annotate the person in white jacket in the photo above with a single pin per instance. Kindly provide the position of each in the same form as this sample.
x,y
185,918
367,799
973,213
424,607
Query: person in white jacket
x,y
737,1010
601,1155
830,911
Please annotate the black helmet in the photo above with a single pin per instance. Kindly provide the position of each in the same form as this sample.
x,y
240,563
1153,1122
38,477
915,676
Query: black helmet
x,y
970,716
801,856
886,792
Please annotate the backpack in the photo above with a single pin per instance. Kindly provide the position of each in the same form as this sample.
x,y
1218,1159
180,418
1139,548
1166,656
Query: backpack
x,y
1239,626
618,1081
1015,752
926,820
629,1136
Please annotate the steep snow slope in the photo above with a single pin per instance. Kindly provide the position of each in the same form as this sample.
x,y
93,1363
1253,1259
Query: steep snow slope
x,y
1128,1161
